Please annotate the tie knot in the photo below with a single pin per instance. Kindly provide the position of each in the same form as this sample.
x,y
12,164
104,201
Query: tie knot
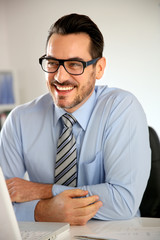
x,y
68,120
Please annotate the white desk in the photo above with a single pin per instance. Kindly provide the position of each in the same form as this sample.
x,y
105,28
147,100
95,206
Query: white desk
x,y
135,229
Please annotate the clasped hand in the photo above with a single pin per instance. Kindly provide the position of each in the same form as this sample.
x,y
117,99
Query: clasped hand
x,y
70,206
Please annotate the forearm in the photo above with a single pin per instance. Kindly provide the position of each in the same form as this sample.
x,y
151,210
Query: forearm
x,y
118,202
21,190
69,206
41,191
25,202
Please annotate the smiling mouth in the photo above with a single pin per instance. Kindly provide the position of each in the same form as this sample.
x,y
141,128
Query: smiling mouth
x,y
60,88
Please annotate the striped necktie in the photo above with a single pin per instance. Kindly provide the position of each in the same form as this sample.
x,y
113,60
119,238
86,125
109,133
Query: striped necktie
x,y
66,159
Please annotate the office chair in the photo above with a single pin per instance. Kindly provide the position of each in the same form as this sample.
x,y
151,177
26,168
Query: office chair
x,y
150,205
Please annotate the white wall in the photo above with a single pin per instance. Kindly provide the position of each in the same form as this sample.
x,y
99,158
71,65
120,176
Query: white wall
x,y
4,59
131,29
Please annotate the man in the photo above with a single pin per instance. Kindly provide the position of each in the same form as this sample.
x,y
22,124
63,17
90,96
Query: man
x,y
111,163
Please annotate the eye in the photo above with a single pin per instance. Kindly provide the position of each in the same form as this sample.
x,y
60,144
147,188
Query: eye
x,y
52,63
74,64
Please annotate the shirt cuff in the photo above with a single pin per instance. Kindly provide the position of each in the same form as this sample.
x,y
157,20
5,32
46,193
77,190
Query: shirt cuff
x,y
57,189
25,211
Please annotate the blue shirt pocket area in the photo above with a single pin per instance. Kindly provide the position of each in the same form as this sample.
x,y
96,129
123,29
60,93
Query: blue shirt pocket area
x,y
91,173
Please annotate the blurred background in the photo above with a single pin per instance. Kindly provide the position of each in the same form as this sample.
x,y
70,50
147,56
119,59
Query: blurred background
x,y
131,30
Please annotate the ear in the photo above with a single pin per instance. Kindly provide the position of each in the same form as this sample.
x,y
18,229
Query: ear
x,y
100,67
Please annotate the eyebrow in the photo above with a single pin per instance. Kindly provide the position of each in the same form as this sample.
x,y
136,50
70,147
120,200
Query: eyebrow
x,y
71,59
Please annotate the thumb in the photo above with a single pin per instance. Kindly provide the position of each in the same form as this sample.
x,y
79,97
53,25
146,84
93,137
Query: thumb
x,y
76,193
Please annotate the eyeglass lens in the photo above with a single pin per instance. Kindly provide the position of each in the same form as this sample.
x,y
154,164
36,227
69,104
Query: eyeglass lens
x,y
73,67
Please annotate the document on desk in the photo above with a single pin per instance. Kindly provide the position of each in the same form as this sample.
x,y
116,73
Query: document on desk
x,y
92,238
133,229
149,234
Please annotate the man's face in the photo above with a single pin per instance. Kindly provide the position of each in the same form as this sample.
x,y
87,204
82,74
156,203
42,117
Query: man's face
x,y
69,91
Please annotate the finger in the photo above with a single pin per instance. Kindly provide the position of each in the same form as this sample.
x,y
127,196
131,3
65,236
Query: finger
x,y
82,216
9,181
73,193
88,210
82,202
10,186
12,194
10,189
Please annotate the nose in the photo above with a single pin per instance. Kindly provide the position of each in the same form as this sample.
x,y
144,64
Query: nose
x,y
61,75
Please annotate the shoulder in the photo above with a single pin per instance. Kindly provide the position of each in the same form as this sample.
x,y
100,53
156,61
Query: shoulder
x,y
33,110
41,103
114,93
114,103
114,96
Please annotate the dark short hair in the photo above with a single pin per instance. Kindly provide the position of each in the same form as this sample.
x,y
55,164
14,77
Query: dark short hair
x,y
76,23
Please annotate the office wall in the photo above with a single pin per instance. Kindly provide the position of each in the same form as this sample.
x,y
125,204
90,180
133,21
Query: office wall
x,y
4,59
131,30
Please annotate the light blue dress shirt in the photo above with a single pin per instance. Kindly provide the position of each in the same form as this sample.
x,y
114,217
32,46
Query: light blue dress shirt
x,y
113,149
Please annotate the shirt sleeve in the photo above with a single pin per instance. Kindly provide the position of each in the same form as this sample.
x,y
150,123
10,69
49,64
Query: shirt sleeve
x,y
126,162
11,149
25,211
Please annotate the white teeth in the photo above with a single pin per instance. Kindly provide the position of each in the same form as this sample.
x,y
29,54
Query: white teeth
x,y
64,88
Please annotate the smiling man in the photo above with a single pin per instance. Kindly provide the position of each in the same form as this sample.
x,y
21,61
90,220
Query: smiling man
x,y
85,147
71,91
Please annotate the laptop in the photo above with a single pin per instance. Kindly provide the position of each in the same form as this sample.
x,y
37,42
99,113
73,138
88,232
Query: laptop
x,y
11,229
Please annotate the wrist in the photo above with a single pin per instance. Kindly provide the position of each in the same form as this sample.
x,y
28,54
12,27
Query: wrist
x,y
46,191
38,212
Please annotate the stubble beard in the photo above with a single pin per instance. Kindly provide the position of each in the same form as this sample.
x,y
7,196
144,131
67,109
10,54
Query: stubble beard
x,y
83,95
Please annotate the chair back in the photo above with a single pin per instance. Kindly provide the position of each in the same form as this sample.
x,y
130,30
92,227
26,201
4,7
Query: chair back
x,y
150,205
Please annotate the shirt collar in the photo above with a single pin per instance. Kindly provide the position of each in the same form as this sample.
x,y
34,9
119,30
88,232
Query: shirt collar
x,y
81,118
57,114
83,113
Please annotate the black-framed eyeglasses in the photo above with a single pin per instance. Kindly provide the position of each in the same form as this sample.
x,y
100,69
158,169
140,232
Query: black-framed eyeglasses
x,y
72,66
